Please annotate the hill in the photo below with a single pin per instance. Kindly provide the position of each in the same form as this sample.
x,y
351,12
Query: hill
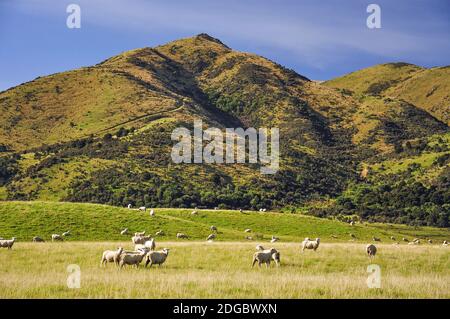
x,y
93,222
426,88
102,134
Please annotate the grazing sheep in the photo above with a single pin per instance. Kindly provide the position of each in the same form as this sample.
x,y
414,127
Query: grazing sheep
x,y
240,210
111,256
445,243
7,243
124,232
352,223
37,239
159,233
371,250
393,238
140,239
152,213
67,233
266,256
405,239
376,239
182,236
211,237
151,244
274,239
310,244
430,241
213,228
194,212
156,257
129,206
249,237
134,258
56,237
259,247
142,208
248,230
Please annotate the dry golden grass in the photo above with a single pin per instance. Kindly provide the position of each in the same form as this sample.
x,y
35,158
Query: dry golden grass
x,y
222,270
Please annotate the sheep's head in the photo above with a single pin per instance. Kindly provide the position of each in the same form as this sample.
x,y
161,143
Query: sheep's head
x,y
318,240
276,257
273,250
120,250
166,251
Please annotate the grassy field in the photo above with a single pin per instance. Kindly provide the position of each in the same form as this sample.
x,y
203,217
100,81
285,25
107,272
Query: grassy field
x,y
90,222
222,270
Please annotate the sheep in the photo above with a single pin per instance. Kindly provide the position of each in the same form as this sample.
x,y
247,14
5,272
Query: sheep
x,y
259,247
211,237
266,256
334,236
194,212
56,237
124,231
240,210
152,213
376,239
156,257
67,233
274,239
140,239
142,208
430,241
352,223
38,239
405,239
248,230
111,256
213,228
159,233
133,258
249,237
371,250
129,206
151,244
182,236
393,238
310,244
7,243
445,243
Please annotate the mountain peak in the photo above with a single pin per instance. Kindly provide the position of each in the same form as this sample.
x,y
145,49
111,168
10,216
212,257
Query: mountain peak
x,y
205,36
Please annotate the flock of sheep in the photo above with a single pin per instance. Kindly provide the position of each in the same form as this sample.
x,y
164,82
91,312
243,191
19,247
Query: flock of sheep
x,y
145,245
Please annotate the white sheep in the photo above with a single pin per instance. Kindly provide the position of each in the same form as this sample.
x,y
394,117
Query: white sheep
x,y
430,241
111,256
393,238
249,237
181,235
56,237
266,256
159,233
211,237
38,239
151,244
213,228
152,213
445,243
371,250
248,230
352,223
129,206
405,239
194,212
142,208
310,244
7,243
133,258
124,232
376,239
67,233
140,239
274,239
156,257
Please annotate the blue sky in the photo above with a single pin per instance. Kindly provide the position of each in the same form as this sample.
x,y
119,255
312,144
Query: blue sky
x,y
318,39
